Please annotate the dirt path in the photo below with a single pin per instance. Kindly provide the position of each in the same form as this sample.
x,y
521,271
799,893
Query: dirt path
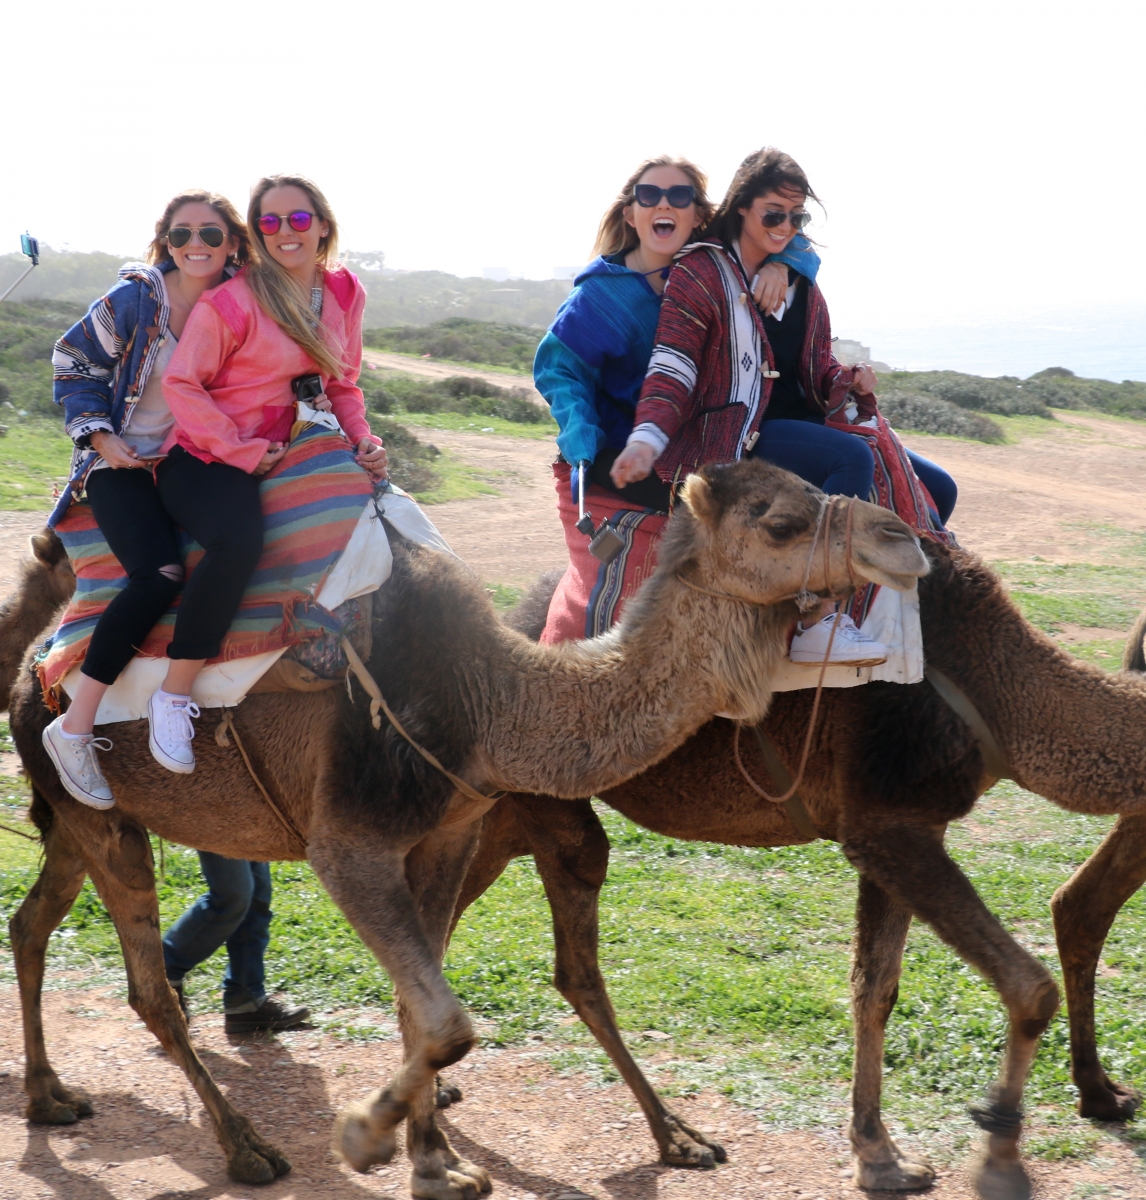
x,y
537,1133
442,369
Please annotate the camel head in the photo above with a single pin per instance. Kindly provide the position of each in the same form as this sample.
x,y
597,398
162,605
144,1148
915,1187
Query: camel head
x,y
749,528
53,566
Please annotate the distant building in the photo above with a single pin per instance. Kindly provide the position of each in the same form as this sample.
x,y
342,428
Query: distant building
x,y
850,353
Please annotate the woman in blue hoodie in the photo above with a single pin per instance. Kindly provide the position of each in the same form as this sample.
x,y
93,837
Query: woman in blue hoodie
x,y
591,364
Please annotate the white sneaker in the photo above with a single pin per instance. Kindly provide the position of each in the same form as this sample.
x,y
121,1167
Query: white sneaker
x,y
75,760
171,731
851,645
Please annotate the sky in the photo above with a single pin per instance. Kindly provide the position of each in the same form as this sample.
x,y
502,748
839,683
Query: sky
x,y
980,163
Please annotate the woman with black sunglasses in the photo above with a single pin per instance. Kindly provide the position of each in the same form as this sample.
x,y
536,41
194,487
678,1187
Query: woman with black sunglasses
x,y
728,380
591,364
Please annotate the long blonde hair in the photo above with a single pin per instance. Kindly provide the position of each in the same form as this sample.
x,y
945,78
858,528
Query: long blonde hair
x,y
279,294
158,251
616,236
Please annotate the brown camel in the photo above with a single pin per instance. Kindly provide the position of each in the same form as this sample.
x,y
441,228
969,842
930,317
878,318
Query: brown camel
x,y
387,835
891,766
46,582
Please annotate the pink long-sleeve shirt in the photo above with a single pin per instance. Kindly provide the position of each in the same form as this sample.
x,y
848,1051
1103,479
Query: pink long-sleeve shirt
x,y
229,381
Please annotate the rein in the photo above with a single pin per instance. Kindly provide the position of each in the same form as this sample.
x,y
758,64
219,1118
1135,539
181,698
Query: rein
x,y
378,704
804,601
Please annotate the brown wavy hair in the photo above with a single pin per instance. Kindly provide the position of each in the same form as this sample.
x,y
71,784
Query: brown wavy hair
x,y
158,251
763,171
279,294
616,236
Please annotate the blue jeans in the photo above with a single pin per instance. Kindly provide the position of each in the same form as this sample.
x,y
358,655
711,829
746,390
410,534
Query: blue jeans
x,y
942,487
837,463
237,911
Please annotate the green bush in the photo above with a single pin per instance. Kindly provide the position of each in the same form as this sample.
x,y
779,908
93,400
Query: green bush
x,y
1006,395
1060,388
462,340
409,458
928,414
28,332
459,393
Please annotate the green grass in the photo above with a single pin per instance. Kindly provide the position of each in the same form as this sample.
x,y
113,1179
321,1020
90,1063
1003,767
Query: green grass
x,y
740,956
465,423
37,455
457,480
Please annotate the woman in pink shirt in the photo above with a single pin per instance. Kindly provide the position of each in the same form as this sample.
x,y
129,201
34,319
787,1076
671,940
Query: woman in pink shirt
x,y
293,312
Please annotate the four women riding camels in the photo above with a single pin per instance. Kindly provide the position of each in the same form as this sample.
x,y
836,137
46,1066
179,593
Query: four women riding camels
x,y
213,402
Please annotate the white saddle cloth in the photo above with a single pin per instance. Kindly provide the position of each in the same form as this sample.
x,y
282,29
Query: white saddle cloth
x,y
892,620
364,566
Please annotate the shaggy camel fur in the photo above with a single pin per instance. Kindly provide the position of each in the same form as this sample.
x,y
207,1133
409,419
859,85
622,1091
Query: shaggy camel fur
x,y
891,766
386,834
46,582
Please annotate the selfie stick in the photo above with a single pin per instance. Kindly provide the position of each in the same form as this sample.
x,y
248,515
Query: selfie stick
x,y
31,247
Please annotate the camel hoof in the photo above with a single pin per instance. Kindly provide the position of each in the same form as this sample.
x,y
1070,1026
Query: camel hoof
x,y
1111,1102
446,1094
52,1112
683,1146
359,1143
1001,1180
250,1159
896,1175
462,1181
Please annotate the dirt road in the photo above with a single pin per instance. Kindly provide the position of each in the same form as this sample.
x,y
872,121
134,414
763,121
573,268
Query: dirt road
x,y
537,1133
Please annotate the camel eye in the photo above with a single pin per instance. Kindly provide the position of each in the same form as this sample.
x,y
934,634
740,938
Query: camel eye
x,y
781,530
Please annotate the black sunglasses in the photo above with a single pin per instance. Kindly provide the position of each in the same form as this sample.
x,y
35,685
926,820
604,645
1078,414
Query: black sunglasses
x,y
648,195
209,235
773,220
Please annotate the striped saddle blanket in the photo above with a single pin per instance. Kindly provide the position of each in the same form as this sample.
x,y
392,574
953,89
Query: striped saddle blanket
x,y
312,502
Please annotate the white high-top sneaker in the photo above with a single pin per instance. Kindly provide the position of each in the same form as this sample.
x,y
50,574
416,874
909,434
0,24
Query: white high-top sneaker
x,y
851,646
171,731
74,758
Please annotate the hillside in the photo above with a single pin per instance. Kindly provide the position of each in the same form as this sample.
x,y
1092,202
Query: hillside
x,y
394,298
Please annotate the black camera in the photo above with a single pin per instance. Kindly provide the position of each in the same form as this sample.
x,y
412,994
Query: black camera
x,y
307,388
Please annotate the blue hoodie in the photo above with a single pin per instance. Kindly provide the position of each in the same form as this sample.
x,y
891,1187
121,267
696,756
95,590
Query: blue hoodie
x,y
591,364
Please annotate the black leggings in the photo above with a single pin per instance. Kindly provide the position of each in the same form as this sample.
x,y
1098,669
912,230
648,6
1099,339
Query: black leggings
x,y
219,506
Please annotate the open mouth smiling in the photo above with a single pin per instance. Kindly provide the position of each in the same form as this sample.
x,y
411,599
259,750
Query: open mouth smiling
x,y
664,227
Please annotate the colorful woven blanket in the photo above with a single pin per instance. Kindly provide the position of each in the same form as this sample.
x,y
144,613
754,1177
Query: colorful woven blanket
x,y
311,503
591,596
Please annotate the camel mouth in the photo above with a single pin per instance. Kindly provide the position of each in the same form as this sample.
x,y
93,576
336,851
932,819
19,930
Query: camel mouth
x,y
901,564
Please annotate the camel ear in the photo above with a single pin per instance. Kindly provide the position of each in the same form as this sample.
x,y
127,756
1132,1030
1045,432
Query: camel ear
x,y
700,498
47,547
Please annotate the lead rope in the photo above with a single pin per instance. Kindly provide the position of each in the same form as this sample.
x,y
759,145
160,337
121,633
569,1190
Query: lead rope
x,y
227,725
378,705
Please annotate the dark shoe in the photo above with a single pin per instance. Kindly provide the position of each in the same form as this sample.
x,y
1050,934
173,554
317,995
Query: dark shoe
x,y
271,1015
177,988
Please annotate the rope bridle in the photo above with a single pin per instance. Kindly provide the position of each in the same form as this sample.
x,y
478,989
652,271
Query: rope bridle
x,y
805,600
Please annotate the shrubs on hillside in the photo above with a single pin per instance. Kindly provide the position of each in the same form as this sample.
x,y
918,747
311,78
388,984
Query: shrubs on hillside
x,y
462,340
28,332
1061,388
912,412
409,459
1005,395
459,393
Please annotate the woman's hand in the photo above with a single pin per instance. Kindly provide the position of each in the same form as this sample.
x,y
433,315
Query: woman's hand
x,y
633,463
372,459
771,286
322,403
114,450
864,382
274,453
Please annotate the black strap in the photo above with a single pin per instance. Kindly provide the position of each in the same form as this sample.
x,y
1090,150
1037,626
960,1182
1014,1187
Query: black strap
x,y
782,781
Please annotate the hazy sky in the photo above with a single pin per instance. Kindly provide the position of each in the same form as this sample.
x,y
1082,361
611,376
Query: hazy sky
x,y
981,163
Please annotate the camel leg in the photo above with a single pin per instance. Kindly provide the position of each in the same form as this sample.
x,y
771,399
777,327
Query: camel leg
x,y
401,904
908,861
121,868
44,907
571,850
881,933
1084,909
501,841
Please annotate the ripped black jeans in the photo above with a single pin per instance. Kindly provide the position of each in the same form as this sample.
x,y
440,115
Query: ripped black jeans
x,y
219,506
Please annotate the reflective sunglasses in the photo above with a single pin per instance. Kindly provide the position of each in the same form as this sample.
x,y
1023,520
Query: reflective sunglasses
x,y
648,195
209,235
271,222
773,220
